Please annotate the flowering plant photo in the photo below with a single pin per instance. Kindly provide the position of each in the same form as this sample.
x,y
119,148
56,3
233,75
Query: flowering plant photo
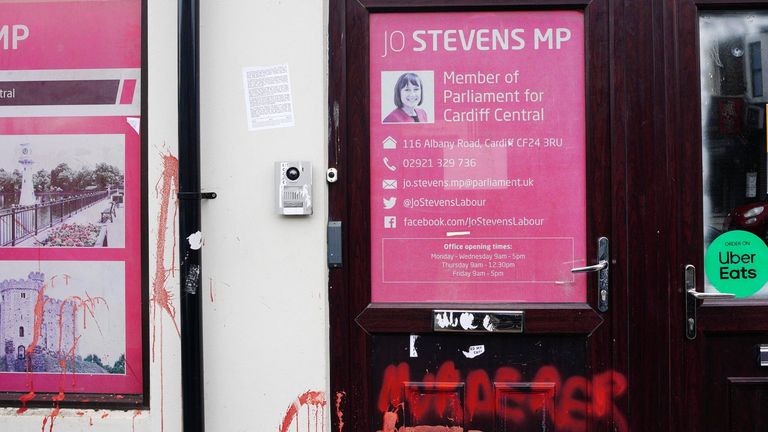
x,y
73,235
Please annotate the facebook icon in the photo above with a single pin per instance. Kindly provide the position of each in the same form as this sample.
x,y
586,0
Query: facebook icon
x,y
390,221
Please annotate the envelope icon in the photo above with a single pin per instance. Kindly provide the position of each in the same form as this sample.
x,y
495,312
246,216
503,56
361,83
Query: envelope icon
x,y
389,184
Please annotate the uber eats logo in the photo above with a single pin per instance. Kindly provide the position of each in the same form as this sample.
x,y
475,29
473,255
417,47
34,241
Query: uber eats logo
x,y
737,262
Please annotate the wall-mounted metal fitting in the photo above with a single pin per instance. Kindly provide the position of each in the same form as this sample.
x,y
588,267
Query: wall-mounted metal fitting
x,y
331,176
197,195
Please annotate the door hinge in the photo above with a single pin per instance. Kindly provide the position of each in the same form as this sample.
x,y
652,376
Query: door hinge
x,y
334,244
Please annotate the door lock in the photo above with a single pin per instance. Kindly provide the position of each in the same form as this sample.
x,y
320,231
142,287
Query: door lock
x,y
601,268
691,298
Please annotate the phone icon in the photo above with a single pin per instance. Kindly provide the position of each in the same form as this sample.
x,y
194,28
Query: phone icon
x,y
391,167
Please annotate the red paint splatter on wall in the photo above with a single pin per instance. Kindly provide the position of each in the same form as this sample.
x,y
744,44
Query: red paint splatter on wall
x,y
88,306
313,404
166,188
56,400
66,359
24,399
162,297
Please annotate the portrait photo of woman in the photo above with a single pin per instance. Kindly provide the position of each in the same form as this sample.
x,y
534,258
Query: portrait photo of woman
x,y
409,99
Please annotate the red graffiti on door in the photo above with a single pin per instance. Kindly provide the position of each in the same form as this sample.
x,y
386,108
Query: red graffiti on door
x,y
568,404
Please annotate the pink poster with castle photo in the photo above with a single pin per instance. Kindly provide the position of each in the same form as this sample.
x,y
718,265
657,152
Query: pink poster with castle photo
x,y
71,203
477,156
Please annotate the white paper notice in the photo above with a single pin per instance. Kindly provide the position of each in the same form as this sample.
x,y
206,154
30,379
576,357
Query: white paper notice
x,y
268,98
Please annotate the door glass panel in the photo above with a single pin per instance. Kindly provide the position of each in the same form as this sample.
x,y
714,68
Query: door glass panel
x,y
477,146
734,48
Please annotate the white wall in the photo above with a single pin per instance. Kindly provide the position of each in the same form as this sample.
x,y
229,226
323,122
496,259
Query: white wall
x,y
266,326
266,329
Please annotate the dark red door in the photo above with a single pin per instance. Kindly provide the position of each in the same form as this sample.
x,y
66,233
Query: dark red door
x,y
722,150
673,169
463,211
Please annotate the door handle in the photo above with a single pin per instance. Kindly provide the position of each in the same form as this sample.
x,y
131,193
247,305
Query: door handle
x,y
691,298
601,268
593,268
710,296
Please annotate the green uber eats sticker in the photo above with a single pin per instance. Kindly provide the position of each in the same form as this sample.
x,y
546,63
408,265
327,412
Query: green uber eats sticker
x,y
737,263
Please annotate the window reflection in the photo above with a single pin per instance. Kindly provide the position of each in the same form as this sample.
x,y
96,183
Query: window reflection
x,y
734,142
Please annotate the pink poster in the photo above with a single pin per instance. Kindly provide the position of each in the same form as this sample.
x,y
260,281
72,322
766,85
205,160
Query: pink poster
x,y
71,198
477,145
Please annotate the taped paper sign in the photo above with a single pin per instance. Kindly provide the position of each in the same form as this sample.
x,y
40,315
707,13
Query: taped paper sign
x,y
268,97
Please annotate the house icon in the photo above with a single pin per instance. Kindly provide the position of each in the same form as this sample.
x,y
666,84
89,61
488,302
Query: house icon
x,y
389,143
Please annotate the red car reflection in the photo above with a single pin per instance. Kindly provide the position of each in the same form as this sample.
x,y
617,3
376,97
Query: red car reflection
x,y
749,217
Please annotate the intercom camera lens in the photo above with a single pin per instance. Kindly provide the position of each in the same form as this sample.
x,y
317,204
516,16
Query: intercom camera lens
x,y
292,173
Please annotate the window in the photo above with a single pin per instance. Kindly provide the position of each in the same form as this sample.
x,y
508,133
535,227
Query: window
x,y
81,135
732,145
756,68
20,355
21,331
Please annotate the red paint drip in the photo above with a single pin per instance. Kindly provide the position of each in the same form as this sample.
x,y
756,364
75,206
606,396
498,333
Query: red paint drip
x,y
210,288
39,311
24,399
105,415
339,414
87,305
136,413
162,297
39,314
309,398
53,416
